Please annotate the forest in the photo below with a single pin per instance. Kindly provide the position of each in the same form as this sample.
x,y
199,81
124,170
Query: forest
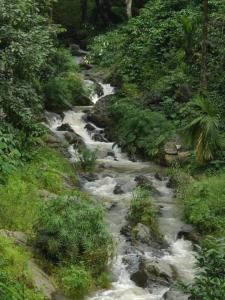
x,y
112,149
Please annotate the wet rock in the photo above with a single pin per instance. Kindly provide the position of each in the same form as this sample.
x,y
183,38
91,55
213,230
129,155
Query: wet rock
x,y
41,280
76,51
126,231
171,183
112,154
52,141
89,176
112,206
143,181
90,127
74,138
98,137
151,272
99,115
175,295
170,148
188,232
140,278
46,195
118,190
18,237
158,176
65,127
146,183
142,234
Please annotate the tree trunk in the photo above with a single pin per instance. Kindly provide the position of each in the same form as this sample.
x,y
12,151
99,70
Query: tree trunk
x,y
84,11
205,45
129,8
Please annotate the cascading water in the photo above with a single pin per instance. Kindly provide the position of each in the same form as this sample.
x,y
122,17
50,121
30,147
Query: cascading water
x,y
116,169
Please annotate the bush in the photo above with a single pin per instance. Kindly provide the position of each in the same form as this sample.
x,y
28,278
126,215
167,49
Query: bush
x,y
209,283
140,130
76,281
72,229
64,92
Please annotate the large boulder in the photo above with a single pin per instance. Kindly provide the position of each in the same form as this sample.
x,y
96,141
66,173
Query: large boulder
x,y
142,234
74,138
65,127
99,115
41,280
18,237
188,232
98,137
118,190
175,295
152,272
146,183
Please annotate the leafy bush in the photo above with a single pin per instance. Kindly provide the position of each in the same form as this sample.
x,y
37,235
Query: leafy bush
x,y
14,277
76,281
209,283
72,229
140,130
64,92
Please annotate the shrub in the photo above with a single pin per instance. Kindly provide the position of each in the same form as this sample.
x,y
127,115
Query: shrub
x,y
209,283
64,92
140,130
72,229
76,281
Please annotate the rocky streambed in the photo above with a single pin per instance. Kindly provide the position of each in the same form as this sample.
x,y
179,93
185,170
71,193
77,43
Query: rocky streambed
x,y
144,268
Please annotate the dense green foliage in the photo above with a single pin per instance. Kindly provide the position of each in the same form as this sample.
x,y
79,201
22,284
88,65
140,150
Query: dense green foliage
x,y
72,229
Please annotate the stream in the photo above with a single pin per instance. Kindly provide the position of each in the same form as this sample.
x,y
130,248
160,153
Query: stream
x,y
115,169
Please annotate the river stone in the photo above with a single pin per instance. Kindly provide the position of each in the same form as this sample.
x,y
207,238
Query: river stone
x,y
74,138
41,280
118,190
90,127
158,176
99,115
89,176
98,137
65,127
142,234
143,181
59,296
18,237
151,272
188,232
52,141
170,148
175,295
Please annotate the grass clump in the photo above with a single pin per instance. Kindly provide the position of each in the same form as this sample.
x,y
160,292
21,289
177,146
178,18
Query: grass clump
x,y
204,202
72,229
86,159
76,281
20,193
15,282
142,210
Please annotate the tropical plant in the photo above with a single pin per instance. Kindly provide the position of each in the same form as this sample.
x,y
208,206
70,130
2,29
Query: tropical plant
x,y
202,132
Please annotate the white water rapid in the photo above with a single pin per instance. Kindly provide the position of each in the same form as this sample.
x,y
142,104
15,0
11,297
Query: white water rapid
x,y
114,168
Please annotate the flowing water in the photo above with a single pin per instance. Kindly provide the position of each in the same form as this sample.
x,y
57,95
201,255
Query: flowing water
x,y
115,168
